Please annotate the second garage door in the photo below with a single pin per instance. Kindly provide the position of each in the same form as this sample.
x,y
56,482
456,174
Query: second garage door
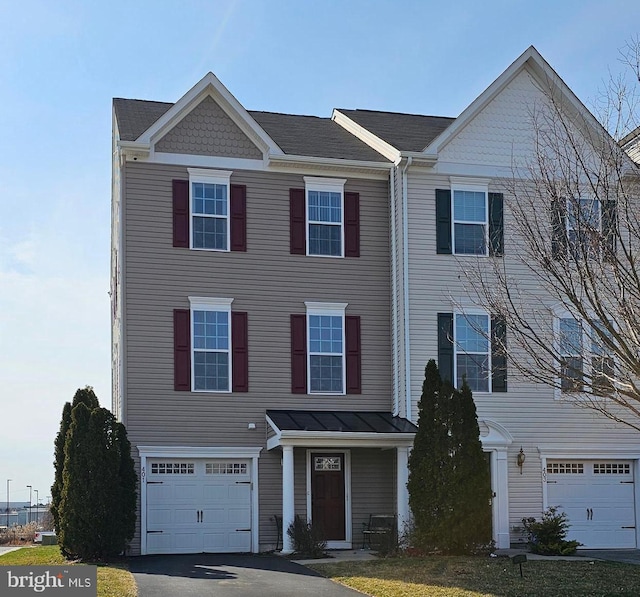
x,y
196,506
598,498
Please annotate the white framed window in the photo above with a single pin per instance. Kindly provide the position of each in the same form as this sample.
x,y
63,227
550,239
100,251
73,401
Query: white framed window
x,y
584,225
209,192
470,218
326,367
472,350
211,344
584,358
325,216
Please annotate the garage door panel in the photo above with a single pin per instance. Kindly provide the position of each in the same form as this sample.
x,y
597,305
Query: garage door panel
x,y
598,498
204,507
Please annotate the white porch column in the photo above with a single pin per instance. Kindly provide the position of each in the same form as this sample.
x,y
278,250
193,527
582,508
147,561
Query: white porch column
x,y
500,481
402,496
288,508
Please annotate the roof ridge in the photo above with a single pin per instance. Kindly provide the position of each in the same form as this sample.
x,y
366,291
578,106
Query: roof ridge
x,y
391,112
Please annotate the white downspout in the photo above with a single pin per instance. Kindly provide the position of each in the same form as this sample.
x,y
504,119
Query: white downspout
x,y
405,288
394,297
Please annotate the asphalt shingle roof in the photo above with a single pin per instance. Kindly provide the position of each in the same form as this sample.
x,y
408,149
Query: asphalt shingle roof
x,y
295,135
406,132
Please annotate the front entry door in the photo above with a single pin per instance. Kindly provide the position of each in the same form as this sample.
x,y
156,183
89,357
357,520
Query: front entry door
x,y
327,495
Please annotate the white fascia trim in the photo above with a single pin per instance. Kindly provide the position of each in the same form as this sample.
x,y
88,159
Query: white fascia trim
x,y
340,439
200,451
205,161
309,160
207,303
609,452
211,176
319,308
420,159
365,135
210,85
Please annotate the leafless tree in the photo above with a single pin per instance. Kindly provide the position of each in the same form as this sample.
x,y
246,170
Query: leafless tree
x,y
568,286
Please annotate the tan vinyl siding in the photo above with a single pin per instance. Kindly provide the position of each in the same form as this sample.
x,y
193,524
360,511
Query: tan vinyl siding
x,y
208,130
270,285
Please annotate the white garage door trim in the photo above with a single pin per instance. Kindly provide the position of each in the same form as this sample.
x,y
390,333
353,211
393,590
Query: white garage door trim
x,y
606,455
248,453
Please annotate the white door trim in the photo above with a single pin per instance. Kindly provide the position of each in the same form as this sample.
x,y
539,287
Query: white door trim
x,y
347,543
252,453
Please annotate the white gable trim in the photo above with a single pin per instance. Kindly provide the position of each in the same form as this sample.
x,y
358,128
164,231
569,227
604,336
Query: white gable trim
x,y
371,139
211,86
548,79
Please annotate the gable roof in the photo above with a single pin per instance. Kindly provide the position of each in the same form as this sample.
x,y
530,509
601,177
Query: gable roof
x,y
296,135
405,132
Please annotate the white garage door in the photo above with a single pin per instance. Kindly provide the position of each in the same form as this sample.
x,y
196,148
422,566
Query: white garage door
x,y
598,497
196,506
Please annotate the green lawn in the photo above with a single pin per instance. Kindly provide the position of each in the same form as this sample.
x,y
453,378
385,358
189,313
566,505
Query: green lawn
x,y
114,580
439,576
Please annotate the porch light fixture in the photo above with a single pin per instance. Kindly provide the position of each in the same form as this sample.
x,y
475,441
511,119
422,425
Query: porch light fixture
x,y
520,459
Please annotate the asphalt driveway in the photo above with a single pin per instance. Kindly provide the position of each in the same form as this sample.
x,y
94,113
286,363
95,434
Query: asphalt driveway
x,y
230,575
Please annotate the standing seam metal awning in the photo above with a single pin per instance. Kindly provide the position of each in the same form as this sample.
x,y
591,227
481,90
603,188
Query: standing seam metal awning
x,y
363,428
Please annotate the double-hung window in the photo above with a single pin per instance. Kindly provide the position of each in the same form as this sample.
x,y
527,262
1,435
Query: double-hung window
x,y
211,333
325,216
470,221
583,227
472,345
584,357
326,350
209,202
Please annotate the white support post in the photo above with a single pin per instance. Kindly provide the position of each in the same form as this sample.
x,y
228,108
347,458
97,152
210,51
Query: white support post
x,y
288,508
402,497
501,500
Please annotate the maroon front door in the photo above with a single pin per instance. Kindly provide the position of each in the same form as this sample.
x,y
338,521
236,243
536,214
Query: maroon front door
x,y
327,495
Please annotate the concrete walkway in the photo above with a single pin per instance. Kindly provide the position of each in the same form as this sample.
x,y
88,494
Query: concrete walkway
x,y
6,549
624,556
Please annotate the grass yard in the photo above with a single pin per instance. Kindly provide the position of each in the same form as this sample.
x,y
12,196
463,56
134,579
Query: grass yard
x,y
440,576
114,580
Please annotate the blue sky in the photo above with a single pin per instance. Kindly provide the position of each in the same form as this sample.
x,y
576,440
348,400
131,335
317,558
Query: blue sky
x,y
61,62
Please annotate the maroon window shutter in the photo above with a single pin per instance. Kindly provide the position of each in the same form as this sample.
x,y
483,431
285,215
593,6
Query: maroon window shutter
x,y
181,213
238,217
352,224
298,354
240,351
297,222
182,350
354,367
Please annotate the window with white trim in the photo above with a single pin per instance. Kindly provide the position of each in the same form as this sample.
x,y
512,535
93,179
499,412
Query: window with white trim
x,y
211,344
209,204
472,346
326,348
584,357
470,221
325,216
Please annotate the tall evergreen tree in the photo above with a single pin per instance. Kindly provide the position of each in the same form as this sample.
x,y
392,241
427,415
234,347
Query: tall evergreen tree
x,y
449,481
87,397
96,511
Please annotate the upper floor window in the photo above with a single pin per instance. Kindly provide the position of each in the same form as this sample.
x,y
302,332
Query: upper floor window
x,y
470,222
209,201
584,228
584,358
473,351
326,333
325,216
211,321
469,219
472,346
